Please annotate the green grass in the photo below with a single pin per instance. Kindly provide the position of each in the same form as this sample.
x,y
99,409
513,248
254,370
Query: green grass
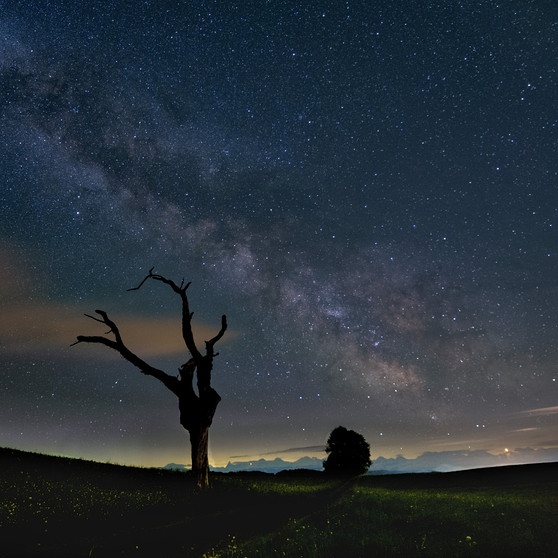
x,y
295,484
428,516
41,500
370,521
59,507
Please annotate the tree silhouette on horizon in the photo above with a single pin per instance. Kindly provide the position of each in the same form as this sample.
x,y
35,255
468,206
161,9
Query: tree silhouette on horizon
x,y
196,409
348,453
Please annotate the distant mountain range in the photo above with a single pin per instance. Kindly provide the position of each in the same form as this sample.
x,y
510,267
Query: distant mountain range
x,y
428,462
447,461
263,465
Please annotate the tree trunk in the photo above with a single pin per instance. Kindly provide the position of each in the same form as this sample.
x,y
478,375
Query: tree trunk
x,y
196,416
199,440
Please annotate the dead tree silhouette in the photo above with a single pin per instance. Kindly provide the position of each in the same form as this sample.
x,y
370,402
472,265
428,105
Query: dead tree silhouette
x,y
196,409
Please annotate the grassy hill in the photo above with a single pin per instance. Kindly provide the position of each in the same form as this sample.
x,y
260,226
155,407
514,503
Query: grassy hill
x,y
51,506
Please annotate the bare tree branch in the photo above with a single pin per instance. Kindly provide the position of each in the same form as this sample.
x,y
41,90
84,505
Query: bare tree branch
x,y
209,344
163,279
150,274
118,345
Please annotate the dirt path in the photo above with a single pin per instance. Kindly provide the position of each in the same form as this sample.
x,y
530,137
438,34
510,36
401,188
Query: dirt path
x,y
213,528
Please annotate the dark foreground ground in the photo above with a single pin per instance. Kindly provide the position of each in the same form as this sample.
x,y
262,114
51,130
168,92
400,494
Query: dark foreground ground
x,y
53,506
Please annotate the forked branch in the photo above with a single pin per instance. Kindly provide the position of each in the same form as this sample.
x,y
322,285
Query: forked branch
x,y
187,315
118,345
209,344
163,279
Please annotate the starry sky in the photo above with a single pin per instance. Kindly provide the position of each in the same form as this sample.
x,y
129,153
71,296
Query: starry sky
x,y
368,190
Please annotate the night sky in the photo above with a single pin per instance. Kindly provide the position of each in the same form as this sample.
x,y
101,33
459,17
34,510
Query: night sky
x,y
368,190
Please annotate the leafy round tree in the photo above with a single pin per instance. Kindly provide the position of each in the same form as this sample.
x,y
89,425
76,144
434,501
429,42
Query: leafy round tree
x,y
348,453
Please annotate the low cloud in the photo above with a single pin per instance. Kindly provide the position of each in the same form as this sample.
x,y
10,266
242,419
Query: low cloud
x,y
39,326
541,411
303,449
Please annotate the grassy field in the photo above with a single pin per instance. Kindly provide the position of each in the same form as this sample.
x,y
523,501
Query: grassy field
x,y
61,507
